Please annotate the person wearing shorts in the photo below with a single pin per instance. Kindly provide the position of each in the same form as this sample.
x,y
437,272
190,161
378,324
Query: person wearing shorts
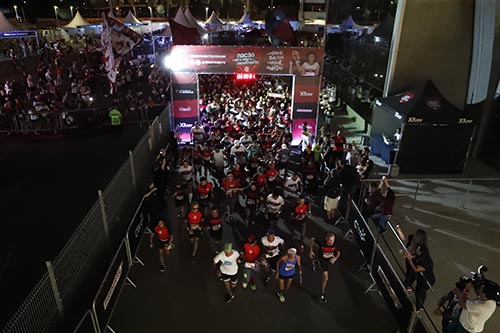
x,y
193,224
286,268
226,265
326,255
204,194
164,241
298,218
180,201
215,222
272,245
251,254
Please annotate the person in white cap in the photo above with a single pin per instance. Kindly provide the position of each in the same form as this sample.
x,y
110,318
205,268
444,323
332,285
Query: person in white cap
x,y
282,158
226,265
286,269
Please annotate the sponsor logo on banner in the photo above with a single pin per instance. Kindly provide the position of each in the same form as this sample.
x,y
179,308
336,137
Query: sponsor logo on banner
x,y
185,125
275,61
415,120
245,59
303,93
305,110
186,92
464,121
185,109
406,97
434,103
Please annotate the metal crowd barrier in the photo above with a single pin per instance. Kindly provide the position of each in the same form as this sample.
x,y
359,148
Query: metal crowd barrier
x,y
386,280
51,302
26,123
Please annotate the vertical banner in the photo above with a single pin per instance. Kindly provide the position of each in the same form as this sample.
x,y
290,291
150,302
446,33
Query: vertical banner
x,y
184,103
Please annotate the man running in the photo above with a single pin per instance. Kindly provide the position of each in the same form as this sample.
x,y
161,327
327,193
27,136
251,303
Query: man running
x,y
164,242
286,269
272,245
275,203
326,255
251,254
226,264
193,224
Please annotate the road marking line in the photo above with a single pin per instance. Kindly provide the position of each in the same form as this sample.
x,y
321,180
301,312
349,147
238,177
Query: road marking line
x,y
467,240
443,216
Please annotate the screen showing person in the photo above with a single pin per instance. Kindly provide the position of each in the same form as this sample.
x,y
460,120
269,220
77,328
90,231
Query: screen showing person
x,y
311,66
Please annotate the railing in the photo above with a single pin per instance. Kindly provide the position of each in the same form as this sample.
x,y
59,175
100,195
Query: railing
x,y
87,253
38,122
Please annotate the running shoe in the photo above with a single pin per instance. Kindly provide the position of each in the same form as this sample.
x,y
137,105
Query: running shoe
x,y
281,297
244,285
162,268
253,287
229,298
322,299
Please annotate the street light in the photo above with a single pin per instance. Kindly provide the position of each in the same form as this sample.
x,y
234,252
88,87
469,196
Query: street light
x,y
17,16
71,9
150,11
206,13
55,13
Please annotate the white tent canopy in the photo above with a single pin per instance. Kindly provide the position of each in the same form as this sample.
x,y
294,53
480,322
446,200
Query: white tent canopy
x,y
214,20
5,24
77,21
181,19
193,23
245,19
131,19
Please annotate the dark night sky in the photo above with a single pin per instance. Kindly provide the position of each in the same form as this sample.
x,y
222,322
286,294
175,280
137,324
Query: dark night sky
x,y
36,8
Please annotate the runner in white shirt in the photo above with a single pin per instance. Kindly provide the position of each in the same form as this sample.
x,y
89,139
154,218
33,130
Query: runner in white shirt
x,y
218,162
226,264
186,173
197,133
246,140
272,246
274,204
238,152
293,186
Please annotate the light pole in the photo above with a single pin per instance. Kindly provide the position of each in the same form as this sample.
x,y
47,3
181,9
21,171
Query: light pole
x,y
206,13
17,16
55,13
71,9
150,11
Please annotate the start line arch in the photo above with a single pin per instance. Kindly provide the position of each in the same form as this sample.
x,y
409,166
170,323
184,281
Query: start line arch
x,y
186,62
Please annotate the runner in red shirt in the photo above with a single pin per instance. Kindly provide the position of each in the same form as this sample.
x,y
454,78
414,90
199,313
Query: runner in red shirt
x,y
272,175
251,255
231,187
339,142
298,220
215,222
193,223
204,193
164,241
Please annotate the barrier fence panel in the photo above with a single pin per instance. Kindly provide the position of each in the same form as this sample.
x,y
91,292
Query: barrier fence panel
x,y
110,289
87,324
136,229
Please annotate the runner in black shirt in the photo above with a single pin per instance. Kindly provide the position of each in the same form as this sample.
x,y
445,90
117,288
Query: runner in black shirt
x,y
326,255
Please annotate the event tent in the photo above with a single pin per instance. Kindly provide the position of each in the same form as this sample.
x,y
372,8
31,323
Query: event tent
x,y
76,22
182,31
384,30
214,20
130,19
181,19
6,25
349,24
435,133
245,19
193,23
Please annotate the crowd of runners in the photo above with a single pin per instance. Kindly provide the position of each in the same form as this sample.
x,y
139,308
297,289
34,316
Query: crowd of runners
x,y
239,172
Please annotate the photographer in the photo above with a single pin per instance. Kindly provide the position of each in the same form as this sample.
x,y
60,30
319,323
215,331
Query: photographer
x,y
476,311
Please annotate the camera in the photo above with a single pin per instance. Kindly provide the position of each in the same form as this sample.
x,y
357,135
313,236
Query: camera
x,y
479,280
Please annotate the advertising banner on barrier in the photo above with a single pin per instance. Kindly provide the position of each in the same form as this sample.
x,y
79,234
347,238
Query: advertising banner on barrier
x,y
361,231
186,61
109,291
136,230
392,290
87,324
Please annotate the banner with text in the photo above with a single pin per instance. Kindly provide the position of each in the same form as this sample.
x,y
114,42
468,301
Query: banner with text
x,y
184,103
305,64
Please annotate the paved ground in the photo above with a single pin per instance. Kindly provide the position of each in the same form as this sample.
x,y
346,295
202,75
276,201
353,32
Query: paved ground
x,y
48,186
188,297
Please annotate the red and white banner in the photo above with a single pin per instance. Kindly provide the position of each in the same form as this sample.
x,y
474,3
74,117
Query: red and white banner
x,y
107,50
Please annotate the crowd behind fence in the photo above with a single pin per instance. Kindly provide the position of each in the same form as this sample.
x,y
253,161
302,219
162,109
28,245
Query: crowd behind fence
x,y
54,122
94,242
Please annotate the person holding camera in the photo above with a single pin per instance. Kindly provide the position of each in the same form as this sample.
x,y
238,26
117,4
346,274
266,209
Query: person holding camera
x,y
476,311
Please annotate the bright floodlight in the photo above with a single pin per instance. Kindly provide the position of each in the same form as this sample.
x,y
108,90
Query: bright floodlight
x,y
167,60
205,36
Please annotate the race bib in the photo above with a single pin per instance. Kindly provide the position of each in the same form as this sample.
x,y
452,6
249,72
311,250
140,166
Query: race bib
x,y
179,197
250,265
328,255
250,202
310,177
203,196
289,267
216,227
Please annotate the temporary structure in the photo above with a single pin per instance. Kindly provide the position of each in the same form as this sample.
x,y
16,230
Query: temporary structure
x,y
130,19
6,25
245,20
214,20
192,21
76,22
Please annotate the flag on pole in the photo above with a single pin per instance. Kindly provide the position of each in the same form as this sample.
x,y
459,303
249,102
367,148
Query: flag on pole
x,y
116,40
